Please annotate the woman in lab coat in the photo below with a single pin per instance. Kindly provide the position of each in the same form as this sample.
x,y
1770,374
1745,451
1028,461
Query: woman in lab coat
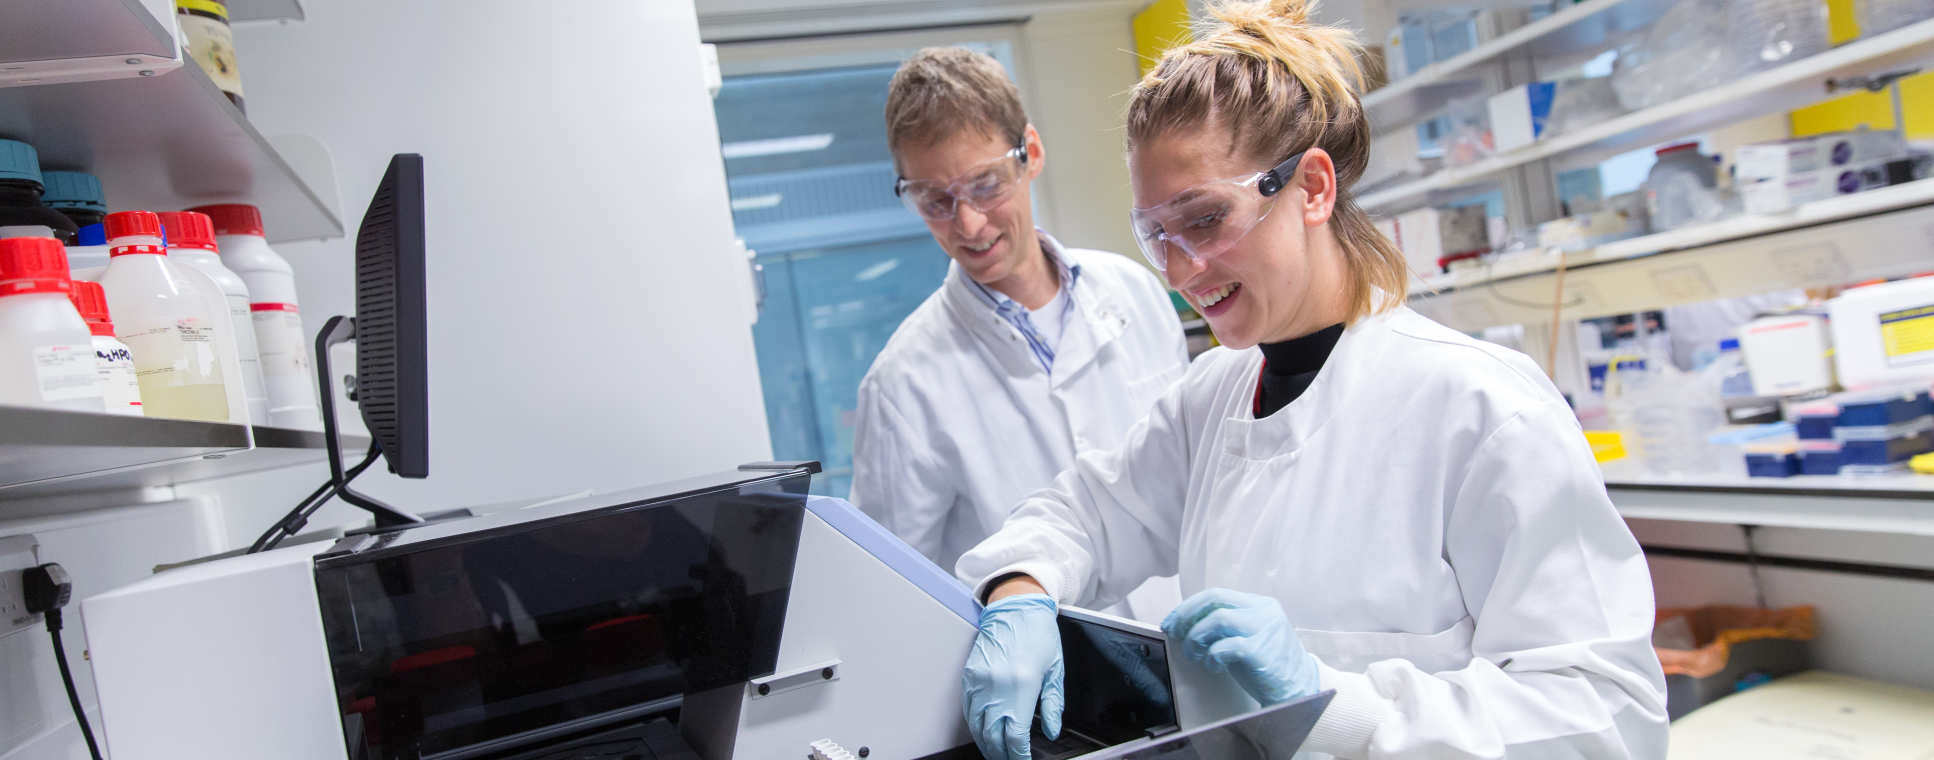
x,y
1356,498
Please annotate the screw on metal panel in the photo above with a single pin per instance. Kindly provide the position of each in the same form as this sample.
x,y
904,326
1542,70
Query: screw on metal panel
x,y
764,689
147,73
133,61
826,673
864,752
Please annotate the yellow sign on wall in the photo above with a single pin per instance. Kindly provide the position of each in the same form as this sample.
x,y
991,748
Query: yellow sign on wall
x,y
1162,25
1874,110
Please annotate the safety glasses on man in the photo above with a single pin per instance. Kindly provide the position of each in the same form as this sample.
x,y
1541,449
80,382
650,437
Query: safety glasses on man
x,y
983,187
1207,220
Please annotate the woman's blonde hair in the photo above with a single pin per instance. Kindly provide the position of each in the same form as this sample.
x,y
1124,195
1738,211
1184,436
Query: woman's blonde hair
x,y
1280,85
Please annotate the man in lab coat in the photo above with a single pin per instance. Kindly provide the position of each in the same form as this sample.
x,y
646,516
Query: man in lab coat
x,y
1030,353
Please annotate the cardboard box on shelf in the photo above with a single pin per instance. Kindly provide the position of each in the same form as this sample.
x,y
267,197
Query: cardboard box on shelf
x,y
1785,158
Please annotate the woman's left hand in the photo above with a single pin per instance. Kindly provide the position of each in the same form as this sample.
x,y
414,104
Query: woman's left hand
x,y
1248,637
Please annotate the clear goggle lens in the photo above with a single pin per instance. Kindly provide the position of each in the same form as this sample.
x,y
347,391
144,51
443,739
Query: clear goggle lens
x,y
1204,221
1207,220
984,188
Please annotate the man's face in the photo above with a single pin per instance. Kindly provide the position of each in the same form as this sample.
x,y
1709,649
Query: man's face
x,y
991,231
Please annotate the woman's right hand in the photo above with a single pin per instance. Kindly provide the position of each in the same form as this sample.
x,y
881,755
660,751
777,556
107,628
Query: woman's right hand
x,y
1015,663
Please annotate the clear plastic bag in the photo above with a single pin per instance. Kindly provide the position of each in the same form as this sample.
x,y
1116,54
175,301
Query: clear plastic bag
x,y
1579,103
1688,49
1773,32
1883,16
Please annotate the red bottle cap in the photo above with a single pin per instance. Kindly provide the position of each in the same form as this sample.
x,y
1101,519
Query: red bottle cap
x,y
233,218
90,299
33,265
189,229
127,223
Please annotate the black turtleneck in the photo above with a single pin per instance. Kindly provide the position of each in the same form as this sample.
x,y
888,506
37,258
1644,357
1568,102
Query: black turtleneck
x,y
1290,366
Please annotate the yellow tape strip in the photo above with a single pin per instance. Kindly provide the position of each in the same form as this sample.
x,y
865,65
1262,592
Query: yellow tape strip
x,y
204,6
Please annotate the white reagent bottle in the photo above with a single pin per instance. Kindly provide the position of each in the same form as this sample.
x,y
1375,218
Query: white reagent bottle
x,y
279,336
113,362
46,356
168,320
191,243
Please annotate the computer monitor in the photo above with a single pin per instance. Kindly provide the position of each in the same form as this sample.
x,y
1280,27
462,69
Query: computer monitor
x,y
392,376
391,386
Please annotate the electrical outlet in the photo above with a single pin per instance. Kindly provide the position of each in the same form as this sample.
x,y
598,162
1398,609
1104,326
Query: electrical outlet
x,y
17,555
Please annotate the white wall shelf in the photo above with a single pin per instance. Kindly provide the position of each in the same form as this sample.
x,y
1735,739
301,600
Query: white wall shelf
x,y
49,452
1586,27
1815,244
1900,504
161,142
1789,86
75,40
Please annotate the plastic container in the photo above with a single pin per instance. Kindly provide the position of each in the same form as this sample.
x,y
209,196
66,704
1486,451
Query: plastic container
x,y
1815,420
113,362
1773,460
77,195
87,258
279,335
1672,421
1788,355
20,192
1710,652
208,39
46,355
1819,458
170,321
1730,368
1884,334
1886,447
1880,408
1681,188
191,243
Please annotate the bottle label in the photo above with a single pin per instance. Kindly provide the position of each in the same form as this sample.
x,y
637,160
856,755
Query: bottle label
x,y
243,322
212,44
279,339
193,331
114,366
182,353
66,373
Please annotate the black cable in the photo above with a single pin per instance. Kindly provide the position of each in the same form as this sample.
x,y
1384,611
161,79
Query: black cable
x,y
263,541
46,589
303,513
292,523
300,517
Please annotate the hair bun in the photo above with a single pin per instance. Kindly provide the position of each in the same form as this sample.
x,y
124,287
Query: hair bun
x,y
1258,17
1292,11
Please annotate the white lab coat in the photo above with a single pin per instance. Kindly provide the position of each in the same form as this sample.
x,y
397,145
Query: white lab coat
x,y
1430,518
957,421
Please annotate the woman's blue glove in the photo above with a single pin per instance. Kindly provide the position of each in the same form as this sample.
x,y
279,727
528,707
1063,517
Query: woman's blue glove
x,y
1015,663
1248,637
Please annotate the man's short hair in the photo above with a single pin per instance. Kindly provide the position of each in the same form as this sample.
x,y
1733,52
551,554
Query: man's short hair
x,y
940,92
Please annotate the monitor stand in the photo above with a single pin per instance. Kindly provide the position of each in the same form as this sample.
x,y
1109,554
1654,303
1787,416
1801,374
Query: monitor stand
x,y
337,331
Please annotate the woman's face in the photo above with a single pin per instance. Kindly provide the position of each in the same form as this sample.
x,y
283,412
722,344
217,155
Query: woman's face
x,y
1282,280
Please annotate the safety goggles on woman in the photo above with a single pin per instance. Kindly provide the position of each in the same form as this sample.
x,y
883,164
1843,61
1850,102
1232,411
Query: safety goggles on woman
x,y
983,187
1207,220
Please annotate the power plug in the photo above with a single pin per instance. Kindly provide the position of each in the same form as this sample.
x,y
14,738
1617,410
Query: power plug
x,y
17,555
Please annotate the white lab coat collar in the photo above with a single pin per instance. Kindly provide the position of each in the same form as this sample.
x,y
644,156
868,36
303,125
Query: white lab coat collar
x,y
1097,321
1296,424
